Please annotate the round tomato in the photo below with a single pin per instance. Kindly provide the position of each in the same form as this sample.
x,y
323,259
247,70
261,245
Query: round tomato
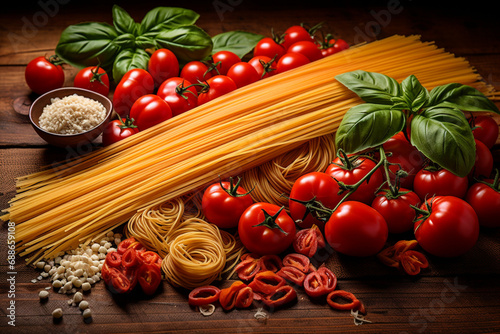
x,y
179,94
117,130
270,48
162,65
356,229
216,86
431,181
266,229
265,66
396,209
485,129
290,61
332,46
93,78
43,75
405,156
196,72
307,48
484,161
310,194
351,170
150,110
243,74
223,203
223,60
294,34
484,197
134,84
447,226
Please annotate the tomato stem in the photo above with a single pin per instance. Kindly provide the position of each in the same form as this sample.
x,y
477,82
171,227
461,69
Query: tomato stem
x,y
96,76
270,221
233,188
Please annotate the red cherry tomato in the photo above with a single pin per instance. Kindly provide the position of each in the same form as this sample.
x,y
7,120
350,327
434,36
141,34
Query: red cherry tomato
x,y
223,60
350,170
264,65
485,200
448,226
117,130
223,203
356,229
308,240
243,74
396,209
290,61
484,161
266,229
309,192
431,181
134,84
332,46
93,78
196,72
162,65
43,75
150,110
270,48
294,34
307,48
215,87
485,129
179,95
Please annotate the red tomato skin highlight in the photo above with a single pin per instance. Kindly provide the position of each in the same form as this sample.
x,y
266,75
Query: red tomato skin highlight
x,y
42,76
486,203
134,84
397,211
442,182
149,110
163,65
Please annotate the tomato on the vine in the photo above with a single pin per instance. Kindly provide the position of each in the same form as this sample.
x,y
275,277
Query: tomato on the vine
x,y
446,226
117,130
483,165
135,83
270,48
331,46
196,72
356,229
485,129
307,48
162,65
243,74
294,34
223,60
215,87
266,229
290,61
224,202
264,65
484,197
150,110
432,180
93,78
43,75
396,209
179,94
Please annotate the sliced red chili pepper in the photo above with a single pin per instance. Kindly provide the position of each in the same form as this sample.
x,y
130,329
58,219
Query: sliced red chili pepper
x,y
320,282
244,297
119,282
298,261
149,277
307,241
266,282
150,257
390,255
106,273
227,296
204,295
113,259
280,296
271,262
124,244
248,268
292,274
131,274
412,261
138,247
130,258
353,302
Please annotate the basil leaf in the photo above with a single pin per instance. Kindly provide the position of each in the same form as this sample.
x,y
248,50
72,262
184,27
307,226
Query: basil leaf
x,y
125,41
444,136
238,42
187,43
145,42
368,125
463,97
129,59
88,44
123,22
164,18
414,93
370,86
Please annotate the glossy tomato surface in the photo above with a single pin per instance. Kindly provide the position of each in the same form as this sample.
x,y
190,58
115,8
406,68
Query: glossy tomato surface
x,y
485,200
163,65
439,181
93,78
134,84
397,210
179,94
42,75
150,110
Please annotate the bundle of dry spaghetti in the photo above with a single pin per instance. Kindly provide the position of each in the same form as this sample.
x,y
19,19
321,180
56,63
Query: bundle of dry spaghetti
x,y
63,206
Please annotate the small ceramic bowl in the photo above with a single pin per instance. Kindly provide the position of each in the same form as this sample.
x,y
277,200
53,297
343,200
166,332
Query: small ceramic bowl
x,y
71,140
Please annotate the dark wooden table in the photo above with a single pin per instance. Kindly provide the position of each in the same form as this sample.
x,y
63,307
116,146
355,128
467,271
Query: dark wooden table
x,y
460,295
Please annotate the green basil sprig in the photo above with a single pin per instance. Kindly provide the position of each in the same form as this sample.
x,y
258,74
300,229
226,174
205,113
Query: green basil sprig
x,y
433,121
127,44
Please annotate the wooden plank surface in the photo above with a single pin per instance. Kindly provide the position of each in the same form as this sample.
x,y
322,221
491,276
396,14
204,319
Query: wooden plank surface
x,y
456,296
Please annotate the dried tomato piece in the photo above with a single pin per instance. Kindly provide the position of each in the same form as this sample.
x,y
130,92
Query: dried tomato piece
x,y
390,255
149,278
248,268
353,302
150,257
270,262
293,275
227,296
113,259
124,244
244,297
106,272
320,282
130,258
280,296
204,295
412,261
119,283
298,261
307,241
266,282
